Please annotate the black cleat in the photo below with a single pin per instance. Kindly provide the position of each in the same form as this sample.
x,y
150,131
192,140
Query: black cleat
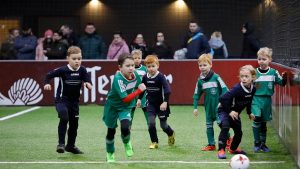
x,y
74,150
60,148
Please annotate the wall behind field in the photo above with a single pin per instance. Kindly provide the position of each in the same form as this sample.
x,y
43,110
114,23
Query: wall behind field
x,y
146,16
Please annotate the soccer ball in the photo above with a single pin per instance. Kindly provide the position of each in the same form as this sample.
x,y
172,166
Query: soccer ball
x,y
239,161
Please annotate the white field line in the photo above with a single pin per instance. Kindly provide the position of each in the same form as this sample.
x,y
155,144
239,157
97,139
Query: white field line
x,y
19,113
134,162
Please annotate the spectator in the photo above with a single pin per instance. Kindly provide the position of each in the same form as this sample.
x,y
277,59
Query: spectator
x,y
195,42
139,43
43,46
161,48
8,51
92,44
218,46
69,35
58,48
117,47
25,45
251,44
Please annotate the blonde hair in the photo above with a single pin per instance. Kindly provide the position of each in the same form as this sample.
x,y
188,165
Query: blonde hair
x,y
73,50
217,34
151,59
265,51
136,52
205,58
250,68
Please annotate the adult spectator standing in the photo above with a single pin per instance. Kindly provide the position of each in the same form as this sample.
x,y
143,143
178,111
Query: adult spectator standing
x,y
117,46
251,44
140,44
161,47
69,35
26,44
92,44
195,42
8,51
58,48
218,46
43,46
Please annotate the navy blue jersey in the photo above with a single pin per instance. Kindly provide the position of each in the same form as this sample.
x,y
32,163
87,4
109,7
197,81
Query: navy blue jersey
x,y
70,81
158,89
237,99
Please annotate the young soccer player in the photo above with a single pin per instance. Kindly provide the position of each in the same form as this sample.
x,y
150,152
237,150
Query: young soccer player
x,y
126,86
67,98
231,105
266,79
212,86
141,70
158,91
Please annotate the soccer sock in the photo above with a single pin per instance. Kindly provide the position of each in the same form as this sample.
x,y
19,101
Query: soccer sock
x,y
110,146
263,135
223,138
210,136
125,139
145,114
256,127
166,128
153,134
125,131
62,130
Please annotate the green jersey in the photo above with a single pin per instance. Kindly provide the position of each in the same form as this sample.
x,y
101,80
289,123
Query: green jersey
x,y
120,88
142,70
212,88
265,82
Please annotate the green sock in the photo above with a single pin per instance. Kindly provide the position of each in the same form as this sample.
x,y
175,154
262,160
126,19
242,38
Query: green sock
x,y
110,146
263,134
256,127
210,136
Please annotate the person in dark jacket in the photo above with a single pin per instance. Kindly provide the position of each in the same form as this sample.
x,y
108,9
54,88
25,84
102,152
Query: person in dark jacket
x,y
25,45
161,47
250,43
140,44
69,35
8,51
92,44
195,42
58,48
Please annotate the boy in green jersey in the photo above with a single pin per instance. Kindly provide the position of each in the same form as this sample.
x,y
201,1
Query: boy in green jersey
x,y
126,86
266,79
212,86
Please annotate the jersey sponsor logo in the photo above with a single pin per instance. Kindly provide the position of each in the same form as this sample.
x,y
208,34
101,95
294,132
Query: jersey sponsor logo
x,y
267,78
213,91
25,91
131,85
74,74
151,81
209,85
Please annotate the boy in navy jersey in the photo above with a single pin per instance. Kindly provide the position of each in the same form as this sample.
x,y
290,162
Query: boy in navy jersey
x,y
158,91
231,105
67,98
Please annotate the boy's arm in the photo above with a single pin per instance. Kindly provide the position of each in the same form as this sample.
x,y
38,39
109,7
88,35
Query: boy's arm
x,y
223,86
227,99
133,95
281,80
50,75
197,94
166,88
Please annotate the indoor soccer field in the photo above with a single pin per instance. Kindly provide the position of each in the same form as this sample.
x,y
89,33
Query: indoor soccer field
x,y
29,141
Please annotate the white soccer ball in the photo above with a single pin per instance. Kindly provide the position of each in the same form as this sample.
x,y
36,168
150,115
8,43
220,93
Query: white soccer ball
x,y
239,161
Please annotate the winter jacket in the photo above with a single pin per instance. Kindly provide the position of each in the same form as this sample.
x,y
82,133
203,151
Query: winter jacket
x,y
116,49
142,47
92,46
25,46
250,43
219,48
57,50
162,50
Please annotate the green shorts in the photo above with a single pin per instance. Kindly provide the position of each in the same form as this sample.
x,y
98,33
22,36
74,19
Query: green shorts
x,y
262,107
112,114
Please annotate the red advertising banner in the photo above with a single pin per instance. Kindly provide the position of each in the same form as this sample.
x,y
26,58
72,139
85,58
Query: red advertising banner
x,y
22,81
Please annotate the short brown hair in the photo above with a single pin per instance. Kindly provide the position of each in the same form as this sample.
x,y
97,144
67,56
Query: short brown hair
x,y
123,57
73,50
151,59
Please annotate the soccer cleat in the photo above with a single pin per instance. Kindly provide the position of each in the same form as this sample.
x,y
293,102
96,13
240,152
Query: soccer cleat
x,y
128,149
60,148
110,157
153,145
264,148
237,151
256,147
171,139
228,142
221,154
209,148
74,150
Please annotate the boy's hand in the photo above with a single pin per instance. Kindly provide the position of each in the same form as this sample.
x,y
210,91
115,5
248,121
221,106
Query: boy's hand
x,y
142,87
251,117
47,87
88,85
234,115
163,106
195,112
138,103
